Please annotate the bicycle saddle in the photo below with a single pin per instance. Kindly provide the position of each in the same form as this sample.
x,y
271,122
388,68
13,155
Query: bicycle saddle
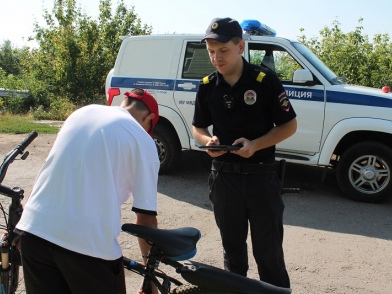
x,y
177,244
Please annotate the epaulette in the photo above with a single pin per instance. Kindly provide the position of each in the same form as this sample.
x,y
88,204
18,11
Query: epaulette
x,y
260,74
208,78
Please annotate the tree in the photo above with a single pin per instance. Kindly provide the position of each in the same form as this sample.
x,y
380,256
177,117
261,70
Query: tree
x,y
352,55
380,61
10,58
76,52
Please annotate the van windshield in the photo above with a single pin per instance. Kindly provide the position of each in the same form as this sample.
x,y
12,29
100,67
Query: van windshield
x,y
318,64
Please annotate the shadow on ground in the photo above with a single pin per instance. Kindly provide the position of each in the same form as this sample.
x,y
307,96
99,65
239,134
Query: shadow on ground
x,y
320,204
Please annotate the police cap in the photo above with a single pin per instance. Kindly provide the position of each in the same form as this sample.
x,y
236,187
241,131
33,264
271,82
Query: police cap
x,y
223,30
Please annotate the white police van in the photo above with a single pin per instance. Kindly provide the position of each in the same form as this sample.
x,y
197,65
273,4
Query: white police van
x,y
340,126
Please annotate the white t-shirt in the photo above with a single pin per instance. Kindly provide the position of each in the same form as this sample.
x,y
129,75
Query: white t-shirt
x,y
100,158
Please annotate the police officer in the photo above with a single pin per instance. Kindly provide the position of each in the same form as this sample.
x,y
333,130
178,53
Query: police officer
x,y
247,107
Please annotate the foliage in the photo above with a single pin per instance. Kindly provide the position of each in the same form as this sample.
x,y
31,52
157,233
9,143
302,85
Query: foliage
x,y
76,52
73,58
15,124
60,109
353,56
10,58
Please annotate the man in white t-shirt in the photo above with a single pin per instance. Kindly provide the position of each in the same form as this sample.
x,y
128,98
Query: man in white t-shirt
x,y
70,224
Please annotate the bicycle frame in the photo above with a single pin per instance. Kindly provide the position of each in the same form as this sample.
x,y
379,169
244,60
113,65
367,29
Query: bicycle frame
x,y
10,255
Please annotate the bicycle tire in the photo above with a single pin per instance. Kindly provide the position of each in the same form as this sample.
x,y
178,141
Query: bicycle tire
x,y
189,289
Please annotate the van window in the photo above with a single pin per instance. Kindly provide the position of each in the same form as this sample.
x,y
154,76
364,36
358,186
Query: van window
x,y
274,58
146,59
197,63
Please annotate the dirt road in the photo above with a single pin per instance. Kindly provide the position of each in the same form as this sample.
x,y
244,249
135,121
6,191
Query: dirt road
x,y
332,244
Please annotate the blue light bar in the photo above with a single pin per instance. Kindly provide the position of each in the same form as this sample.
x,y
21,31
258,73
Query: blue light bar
x,y
254,27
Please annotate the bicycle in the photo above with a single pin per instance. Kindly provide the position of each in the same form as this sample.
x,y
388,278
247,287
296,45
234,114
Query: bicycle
x,y
10,254
175,248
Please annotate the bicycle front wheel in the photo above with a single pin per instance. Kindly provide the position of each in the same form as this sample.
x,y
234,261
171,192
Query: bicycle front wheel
x,y
189,289
9,279
14,278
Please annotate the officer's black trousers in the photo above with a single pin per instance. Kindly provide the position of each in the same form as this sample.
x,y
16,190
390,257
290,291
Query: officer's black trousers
x,y
254,200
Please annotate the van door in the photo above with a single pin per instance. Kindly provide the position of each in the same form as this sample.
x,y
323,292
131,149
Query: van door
x,y
194,65
307,101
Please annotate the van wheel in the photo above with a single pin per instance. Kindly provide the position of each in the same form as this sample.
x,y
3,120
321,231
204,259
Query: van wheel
x,y
364,172
168,146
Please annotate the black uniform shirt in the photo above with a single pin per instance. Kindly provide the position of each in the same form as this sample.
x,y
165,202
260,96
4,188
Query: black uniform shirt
x,y
258,101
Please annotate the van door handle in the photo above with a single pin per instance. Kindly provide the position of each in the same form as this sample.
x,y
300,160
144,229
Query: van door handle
x,y
187,86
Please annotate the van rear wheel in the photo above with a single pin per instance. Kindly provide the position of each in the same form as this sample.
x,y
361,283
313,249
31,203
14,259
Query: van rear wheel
x,y
168,146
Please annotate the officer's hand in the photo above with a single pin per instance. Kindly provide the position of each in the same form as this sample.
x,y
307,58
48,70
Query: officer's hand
x,y
214,153
247,149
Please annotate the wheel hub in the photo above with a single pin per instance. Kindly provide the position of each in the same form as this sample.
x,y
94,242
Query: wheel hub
x,y
369,174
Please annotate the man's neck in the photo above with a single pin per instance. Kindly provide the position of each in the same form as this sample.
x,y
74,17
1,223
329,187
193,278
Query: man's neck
x,y
233,78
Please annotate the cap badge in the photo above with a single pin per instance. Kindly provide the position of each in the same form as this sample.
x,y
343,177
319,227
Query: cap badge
x,y
250,97
214,25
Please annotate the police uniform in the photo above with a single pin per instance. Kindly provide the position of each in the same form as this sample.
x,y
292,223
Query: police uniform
x,y
246,190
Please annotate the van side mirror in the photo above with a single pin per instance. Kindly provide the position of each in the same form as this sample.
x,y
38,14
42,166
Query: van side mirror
x,y
303,77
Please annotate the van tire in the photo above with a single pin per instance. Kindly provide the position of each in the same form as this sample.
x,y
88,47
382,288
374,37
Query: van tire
x,y
364,172
168,146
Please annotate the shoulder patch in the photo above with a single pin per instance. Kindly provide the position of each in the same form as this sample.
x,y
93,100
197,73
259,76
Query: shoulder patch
x,y
206,80
284,101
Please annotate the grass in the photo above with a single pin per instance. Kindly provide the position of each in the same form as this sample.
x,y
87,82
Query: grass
x,y
17,124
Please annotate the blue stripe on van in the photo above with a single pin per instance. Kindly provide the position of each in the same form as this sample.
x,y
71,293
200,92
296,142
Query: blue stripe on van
x,y
293,93
358,99
155,84
304,94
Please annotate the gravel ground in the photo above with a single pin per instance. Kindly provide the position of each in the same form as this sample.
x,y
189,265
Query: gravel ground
x,y
332,244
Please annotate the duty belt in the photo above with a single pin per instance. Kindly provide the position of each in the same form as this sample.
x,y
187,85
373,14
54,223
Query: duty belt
x,y
242,168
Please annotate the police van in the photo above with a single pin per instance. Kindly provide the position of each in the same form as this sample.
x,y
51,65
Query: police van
x,y
340,126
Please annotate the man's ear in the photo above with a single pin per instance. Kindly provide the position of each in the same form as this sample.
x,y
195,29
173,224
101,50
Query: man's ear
x,y
151,116
241,46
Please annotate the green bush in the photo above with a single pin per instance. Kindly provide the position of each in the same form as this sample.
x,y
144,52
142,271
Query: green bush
x,y
60,108
14,105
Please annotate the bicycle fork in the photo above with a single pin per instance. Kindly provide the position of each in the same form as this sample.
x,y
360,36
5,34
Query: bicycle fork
x,y
9,274
9,267
5,268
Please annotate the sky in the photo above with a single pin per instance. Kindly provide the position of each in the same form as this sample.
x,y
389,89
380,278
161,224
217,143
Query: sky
x,y
287,17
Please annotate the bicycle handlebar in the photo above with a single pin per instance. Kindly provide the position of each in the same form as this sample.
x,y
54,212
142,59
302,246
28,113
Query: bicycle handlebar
x,y
22,146
9,158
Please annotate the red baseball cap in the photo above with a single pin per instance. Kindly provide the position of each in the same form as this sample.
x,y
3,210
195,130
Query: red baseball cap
x,y
151,104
